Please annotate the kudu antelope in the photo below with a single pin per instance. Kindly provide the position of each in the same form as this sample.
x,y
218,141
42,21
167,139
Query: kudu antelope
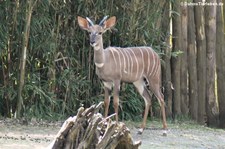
x,y
136,65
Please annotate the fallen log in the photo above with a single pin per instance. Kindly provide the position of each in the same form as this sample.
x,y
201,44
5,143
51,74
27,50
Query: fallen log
x,y
90,130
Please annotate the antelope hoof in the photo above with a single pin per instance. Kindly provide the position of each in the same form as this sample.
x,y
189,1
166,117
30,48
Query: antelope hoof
x,y
140,131
164,133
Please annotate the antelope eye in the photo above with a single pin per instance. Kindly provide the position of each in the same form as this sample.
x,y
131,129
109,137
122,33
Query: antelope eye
x,y
99,33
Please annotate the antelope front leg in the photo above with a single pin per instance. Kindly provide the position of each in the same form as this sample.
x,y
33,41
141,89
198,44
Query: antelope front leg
x,y
106,101
116,98
107,88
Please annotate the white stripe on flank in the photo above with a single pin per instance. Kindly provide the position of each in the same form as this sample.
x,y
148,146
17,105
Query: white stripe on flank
x,y
113,56
153,59
124,61
156,66
128,61
131,67
157,70
116,50
136,61
147,49
142,55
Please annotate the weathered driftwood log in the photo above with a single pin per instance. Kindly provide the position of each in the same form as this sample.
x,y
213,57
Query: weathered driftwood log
x,y
89,130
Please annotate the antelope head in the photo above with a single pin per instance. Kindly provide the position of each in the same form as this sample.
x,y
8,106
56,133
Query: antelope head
x,y
96,30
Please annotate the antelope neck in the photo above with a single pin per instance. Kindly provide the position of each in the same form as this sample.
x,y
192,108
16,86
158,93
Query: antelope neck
x,y
99,55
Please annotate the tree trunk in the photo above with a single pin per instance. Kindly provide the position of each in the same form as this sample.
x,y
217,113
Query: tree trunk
x,y
201,60
183,57
220,63
210,30
193,88
224,16
167,79
166,67
89,130
23,57
176,60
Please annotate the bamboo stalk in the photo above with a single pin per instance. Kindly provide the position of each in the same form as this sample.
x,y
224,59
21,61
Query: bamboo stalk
x,y
23,57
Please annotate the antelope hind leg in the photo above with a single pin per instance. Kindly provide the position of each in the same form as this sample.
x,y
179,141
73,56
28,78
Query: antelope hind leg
x,y
140,85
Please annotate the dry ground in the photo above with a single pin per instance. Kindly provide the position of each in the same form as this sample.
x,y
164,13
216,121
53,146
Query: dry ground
x,y
187,135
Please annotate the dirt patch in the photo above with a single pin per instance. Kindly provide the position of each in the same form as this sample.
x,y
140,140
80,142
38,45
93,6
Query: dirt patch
x,y
23,135
36,135
185,136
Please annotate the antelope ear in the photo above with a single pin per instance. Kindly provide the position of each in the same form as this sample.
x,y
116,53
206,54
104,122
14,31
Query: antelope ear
x,y
110,23
83,23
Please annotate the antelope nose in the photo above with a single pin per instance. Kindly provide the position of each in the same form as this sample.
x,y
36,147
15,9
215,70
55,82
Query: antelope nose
x,y
92,42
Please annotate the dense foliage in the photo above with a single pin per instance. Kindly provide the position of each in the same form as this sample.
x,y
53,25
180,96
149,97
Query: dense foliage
x,y
59,71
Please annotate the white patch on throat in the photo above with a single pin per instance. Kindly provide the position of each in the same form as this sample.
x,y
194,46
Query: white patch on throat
x,y
97,47
99,65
